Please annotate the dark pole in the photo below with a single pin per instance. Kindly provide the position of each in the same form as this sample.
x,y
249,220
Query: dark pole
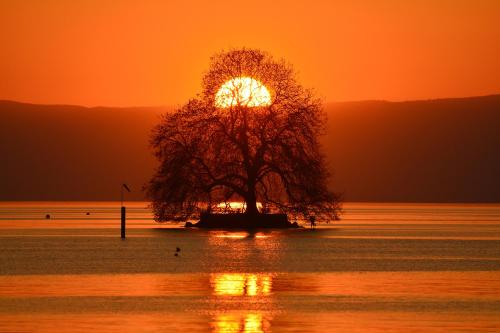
x,y
123,209
123,221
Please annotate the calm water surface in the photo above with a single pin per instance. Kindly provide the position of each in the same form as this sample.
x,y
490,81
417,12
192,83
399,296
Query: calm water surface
x,y
383,268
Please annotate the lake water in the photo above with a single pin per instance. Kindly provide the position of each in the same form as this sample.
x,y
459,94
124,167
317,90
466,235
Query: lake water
x,y
383,268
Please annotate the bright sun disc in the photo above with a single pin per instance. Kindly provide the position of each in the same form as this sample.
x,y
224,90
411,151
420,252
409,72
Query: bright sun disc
x,y
243,91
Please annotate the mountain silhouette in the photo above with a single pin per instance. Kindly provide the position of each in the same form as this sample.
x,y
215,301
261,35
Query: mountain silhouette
x,y
444,150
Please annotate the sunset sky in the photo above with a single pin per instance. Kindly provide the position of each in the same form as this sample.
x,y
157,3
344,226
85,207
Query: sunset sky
x,y
125,53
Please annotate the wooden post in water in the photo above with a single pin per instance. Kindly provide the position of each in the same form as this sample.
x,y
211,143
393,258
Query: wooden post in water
x,y
123,221
123,209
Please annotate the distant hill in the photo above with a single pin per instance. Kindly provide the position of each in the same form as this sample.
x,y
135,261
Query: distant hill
x,y
445,150
59,152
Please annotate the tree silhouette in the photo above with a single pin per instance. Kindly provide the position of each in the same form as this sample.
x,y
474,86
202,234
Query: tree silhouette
x,y
246,150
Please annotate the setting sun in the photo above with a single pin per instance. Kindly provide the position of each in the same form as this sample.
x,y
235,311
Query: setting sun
x,y
243,91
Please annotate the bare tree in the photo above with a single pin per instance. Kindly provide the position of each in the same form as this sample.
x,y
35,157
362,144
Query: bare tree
x,y
249,150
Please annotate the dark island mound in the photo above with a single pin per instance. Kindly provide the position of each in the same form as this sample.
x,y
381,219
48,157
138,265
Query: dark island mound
x,y
243,221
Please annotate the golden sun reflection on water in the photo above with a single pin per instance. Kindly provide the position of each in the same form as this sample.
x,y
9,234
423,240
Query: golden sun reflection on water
x,y
241,284
251,322
245,322
240,235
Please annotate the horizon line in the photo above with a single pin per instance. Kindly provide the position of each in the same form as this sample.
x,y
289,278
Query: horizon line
x,y
174,105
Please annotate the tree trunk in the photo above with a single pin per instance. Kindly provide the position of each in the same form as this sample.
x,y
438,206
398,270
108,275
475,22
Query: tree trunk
x,y
251,203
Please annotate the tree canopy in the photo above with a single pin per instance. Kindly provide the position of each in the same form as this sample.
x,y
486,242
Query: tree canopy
x,y
251,135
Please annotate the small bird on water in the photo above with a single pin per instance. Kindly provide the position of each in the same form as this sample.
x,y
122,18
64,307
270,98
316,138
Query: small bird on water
x,y
177,249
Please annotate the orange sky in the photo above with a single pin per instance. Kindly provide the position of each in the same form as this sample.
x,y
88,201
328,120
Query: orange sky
x,y
125,53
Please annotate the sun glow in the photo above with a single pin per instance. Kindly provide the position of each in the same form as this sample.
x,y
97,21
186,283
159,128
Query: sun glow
x,y
242,91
